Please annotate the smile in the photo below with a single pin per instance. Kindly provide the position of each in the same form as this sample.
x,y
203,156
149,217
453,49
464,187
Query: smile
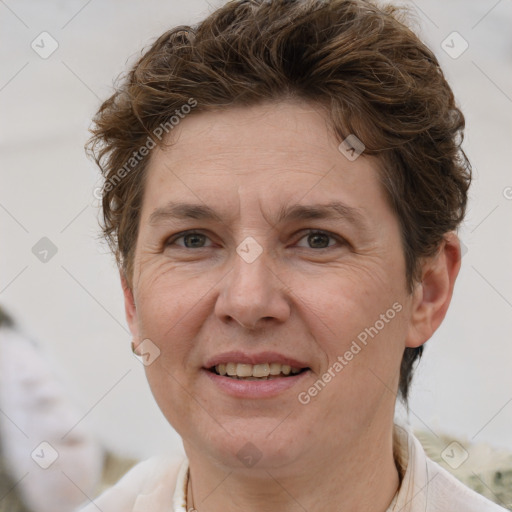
x,y
264,371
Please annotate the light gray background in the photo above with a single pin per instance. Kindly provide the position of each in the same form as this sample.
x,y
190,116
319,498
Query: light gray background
x,y
72,304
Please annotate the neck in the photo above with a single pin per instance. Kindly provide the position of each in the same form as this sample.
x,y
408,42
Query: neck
x,y
362,476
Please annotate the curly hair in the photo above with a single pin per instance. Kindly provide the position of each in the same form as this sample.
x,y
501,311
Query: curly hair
x,y
359,61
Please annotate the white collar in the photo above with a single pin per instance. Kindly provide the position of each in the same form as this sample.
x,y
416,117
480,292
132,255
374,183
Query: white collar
x,y
179,499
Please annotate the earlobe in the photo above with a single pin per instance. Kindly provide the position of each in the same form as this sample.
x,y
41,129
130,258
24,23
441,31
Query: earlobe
x,y
433,294
129,305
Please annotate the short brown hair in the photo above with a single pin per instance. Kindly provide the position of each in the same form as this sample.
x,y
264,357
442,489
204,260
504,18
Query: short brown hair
x,y
371,73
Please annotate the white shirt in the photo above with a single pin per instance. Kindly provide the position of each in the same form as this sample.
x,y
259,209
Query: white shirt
x,y
160,485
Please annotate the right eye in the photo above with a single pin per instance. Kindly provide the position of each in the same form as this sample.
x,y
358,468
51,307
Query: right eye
x,y
191,240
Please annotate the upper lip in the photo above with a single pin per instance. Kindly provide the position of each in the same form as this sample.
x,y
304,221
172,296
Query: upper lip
x,y
257,358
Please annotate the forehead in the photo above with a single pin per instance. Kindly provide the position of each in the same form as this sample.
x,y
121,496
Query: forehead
x,y
270,131
273,154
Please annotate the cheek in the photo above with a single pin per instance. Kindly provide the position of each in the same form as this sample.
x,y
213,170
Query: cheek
x,y
361,318
164,318
167,297
362,364
346,300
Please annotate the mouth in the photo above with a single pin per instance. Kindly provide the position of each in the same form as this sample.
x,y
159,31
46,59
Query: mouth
x,y
256,372
261,375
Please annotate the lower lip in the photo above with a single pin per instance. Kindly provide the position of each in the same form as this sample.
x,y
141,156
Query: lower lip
x,y
255,388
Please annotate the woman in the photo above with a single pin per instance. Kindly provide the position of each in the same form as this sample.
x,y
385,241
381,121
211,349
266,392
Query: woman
x,y
228,152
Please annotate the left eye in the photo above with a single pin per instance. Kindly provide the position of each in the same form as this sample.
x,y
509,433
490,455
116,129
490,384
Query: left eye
x,y
318,239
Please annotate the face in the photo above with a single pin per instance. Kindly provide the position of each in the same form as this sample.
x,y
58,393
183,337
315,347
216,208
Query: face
x,y
262,272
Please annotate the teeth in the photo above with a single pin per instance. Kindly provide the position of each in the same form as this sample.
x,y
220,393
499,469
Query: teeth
x,y
275,368
244,370
261,370
256,371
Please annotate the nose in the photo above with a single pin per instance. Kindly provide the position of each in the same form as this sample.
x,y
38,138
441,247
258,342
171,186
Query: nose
x,y
253,294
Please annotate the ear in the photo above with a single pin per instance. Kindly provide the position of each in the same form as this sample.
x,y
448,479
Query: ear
x,y
433,294
129,306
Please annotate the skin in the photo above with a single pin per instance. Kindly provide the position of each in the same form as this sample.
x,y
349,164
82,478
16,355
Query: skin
x,y
303,297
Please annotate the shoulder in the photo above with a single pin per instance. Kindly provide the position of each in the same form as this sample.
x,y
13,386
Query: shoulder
x,y
150,483
445,489
428,486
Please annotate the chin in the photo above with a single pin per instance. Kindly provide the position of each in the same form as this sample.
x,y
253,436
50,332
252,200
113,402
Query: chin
x,y
250,443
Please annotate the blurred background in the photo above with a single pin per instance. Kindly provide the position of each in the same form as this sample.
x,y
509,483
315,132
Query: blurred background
x,y
58,62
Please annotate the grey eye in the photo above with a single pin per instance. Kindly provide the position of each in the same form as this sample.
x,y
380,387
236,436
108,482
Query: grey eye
x,y
191,240
318,240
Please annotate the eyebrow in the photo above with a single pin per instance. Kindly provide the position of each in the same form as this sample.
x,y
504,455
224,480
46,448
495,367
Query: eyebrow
x,y
184,211
332,210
